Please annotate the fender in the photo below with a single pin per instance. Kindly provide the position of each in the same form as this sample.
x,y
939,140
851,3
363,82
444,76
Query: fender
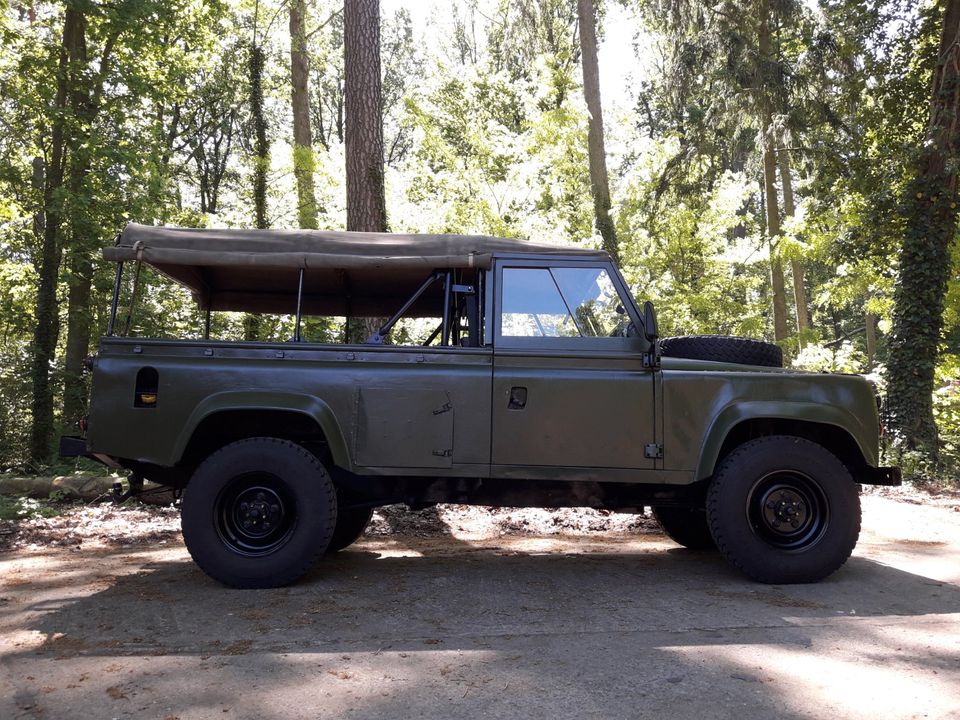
x,y
309,405
816,413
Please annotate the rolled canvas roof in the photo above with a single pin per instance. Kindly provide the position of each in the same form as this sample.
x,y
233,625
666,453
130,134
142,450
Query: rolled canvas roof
x,y
345,272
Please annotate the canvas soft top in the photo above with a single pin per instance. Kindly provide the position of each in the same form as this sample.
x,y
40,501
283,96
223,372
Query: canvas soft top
x,y
345,273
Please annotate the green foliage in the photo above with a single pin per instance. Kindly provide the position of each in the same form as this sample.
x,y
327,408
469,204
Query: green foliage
x,y
494,156
946,410
21,508
843,358
485,132
687,255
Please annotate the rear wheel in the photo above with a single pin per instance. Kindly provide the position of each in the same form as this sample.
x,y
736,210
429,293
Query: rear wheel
x,y
685,526
351,522
258,512
784,509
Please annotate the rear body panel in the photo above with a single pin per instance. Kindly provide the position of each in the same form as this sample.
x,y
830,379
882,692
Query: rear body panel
x,y
383,410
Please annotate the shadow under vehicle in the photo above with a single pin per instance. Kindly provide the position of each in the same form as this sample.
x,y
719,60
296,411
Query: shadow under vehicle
x,y
542,384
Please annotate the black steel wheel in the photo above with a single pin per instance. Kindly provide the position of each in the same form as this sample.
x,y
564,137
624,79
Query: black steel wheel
x,y
351,522
686,526
258,512
784,509
254,514
788,510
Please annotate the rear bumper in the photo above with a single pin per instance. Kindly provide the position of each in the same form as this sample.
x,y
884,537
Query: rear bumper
x,y
73,446
881,476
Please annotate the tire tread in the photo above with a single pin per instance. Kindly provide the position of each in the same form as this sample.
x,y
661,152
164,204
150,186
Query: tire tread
x,y
716,488
308,559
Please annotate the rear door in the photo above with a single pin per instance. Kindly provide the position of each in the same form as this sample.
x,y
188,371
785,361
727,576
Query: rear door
x,y
570,389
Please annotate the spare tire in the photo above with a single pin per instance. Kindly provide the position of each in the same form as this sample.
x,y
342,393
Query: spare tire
x,y
722,348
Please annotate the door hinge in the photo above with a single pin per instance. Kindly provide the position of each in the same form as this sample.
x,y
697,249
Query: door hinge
x,y
653,451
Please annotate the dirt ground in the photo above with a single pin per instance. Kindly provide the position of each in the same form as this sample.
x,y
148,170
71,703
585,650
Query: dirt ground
x,y
464,612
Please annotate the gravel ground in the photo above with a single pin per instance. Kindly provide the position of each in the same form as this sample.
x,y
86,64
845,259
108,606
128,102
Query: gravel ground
x,y
458,612
133,524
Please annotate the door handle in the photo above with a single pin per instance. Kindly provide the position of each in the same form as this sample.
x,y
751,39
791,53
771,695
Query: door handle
x,y
518,398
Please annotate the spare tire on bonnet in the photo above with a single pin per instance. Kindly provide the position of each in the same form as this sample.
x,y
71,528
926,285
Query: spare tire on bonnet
x,y
722,348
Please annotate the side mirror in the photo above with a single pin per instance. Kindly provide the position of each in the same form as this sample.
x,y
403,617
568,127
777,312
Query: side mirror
x,y
650,330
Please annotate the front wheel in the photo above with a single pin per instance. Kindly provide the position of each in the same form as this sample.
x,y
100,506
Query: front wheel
x,y
258,512
784,509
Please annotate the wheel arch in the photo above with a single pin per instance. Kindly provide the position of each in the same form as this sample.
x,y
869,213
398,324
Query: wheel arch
x,y
234,415
830,426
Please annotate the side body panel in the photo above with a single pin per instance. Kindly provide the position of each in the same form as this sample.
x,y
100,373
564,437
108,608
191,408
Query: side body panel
x,y
587,410
574,408
384,410
703,401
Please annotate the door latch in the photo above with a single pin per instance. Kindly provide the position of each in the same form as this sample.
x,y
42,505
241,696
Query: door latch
x,y
653,451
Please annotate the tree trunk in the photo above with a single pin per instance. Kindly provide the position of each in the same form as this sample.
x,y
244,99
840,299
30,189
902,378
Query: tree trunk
x,y
870,326
261,163
78,334
363,131
84,240
366,203
780,330
47,326
599,186
303,158
930,207
789,208
261,149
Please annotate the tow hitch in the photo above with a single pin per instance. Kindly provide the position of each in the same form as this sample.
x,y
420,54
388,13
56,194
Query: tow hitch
x,y
134,487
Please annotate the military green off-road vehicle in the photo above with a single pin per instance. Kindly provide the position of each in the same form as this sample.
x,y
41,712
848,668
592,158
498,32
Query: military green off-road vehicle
x,y
543,384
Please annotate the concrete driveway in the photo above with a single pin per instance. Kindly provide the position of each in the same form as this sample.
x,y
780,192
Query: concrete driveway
x,y
564,626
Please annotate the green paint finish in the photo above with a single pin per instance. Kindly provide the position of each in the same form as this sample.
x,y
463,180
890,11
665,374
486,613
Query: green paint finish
x,y
526,406
262,400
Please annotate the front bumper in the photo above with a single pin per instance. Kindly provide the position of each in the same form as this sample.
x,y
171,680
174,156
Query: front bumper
x,y
881,476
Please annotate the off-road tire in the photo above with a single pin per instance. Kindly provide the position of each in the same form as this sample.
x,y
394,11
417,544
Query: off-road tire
x,y
685,526
749,511
351,522
269,481
722,348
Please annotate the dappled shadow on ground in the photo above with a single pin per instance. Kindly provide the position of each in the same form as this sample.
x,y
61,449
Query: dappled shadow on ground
x,y
533,627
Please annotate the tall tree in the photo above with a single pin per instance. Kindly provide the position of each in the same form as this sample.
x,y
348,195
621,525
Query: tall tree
x,y
363,105
767,130
363,132
303,159
261,155
47,329
84,231
261,146
599,185
930,225
796,267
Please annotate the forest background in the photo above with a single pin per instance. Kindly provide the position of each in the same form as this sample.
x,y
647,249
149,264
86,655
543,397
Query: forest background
x,y
780,169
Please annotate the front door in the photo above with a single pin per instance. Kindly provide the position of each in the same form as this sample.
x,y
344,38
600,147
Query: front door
x,y
570,389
